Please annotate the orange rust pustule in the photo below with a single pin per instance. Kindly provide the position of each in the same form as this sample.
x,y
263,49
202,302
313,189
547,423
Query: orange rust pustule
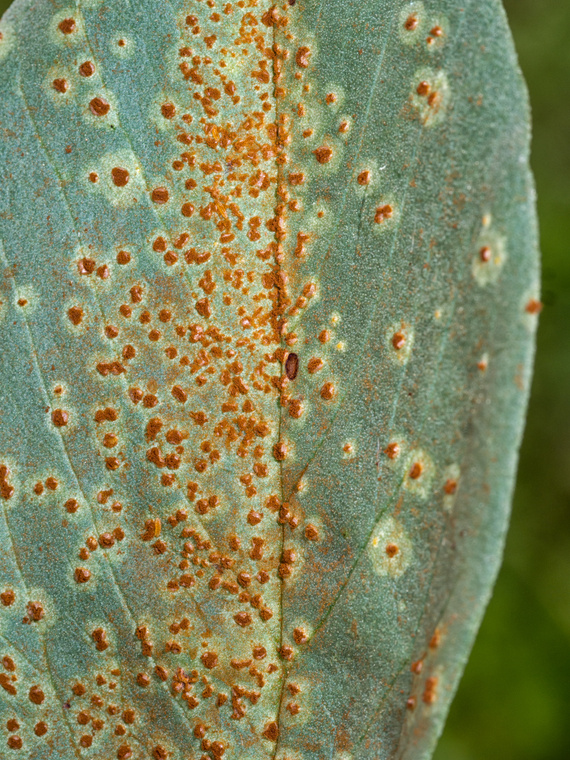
x,y
190,378
99,106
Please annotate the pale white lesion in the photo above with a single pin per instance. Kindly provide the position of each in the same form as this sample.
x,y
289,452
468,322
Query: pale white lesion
x,y
399,341
450,479
419,472
390,548
489,254
430,95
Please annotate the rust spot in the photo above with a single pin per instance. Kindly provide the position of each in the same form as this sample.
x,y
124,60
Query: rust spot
x,y
60,85
311,533
87,69
280,451
534,306
99,636
300,636
82,575
168,110
120,176
323,154
71,506
417,667
99,107
398,341
302,57
36,695
416,470
271,731
67,26
6,489
7,598
435,640
423,89
411,23
391,550
209,659
179,394
430,691
243,619
392,450
383,213
160,195
295,409
35,612
60,417
315,365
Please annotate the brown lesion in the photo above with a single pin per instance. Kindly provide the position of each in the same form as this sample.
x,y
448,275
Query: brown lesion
x,y
99,106
67,25
6,488
60,85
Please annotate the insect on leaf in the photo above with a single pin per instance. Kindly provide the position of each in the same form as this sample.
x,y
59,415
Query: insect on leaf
x,y
268,300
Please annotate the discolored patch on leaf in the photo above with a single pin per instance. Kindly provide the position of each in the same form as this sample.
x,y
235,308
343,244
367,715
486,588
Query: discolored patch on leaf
x,y
390,549
268,301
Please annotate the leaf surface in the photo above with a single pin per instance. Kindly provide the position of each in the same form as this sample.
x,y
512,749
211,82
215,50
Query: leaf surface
x,y
268,305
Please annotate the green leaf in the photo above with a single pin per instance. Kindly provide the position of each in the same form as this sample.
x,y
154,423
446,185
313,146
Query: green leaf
x,y
268,305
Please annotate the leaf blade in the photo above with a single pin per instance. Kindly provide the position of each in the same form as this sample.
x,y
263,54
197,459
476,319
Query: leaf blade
x,y
425,340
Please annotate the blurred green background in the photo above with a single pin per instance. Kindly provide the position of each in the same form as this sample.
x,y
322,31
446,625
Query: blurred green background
x,y
514,700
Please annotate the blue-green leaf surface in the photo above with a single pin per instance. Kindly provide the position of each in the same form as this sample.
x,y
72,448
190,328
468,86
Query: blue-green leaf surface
x,y
268,297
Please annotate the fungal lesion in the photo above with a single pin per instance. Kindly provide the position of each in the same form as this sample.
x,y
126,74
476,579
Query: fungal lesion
x,y
531,307
118,176
437,28
121,45
489,254
450,485
390,548
67,28
430,95
26,298
412,23
349,449
399,340
7,486
419,472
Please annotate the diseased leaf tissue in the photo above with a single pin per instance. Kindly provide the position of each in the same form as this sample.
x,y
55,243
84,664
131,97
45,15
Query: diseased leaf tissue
x,y
268,296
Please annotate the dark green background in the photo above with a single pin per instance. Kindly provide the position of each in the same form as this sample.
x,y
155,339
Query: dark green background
x,y
514,701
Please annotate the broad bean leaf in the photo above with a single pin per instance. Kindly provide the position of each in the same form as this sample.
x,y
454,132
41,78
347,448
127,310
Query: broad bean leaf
x,y
268,297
